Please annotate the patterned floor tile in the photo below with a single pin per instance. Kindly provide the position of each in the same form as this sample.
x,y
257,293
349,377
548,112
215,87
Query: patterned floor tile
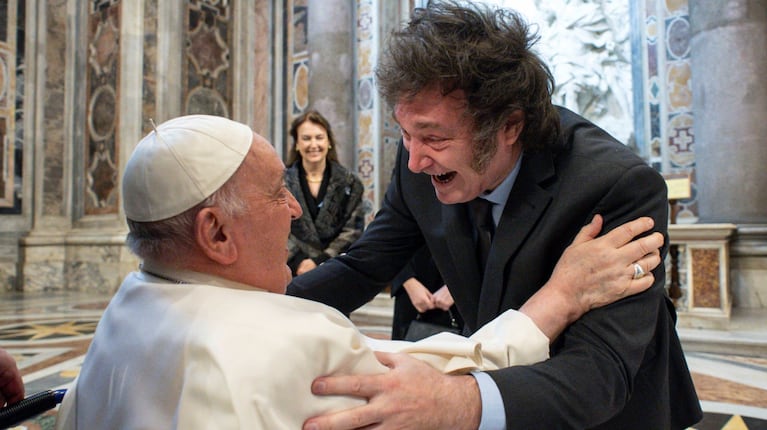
x,y
48,335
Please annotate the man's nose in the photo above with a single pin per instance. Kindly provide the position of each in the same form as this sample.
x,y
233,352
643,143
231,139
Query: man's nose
x,y
295,208
418,160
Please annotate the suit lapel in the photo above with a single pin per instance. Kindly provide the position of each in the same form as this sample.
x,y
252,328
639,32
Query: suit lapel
x,y
526,204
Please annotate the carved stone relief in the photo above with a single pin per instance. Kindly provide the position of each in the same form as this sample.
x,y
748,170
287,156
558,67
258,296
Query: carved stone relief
x,y
587,46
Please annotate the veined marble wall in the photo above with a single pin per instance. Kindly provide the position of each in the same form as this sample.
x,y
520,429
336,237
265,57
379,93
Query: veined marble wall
x,y
8,98
92,73
100,70
13,162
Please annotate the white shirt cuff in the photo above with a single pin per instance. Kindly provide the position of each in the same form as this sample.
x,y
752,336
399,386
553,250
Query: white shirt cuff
x,y
493,413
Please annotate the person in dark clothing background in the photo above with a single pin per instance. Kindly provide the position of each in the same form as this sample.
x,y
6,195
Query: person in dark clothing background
x,y
419,289
329,194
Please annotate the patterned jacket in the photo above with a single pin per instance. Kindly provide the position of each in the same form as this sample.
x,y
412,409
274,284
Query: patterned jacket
x,y
340,219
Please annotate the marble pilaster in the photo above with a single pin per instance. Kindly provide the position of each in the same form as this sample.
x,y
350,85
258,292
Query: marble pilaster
x,y
77,238
331,59
730,103
377,135
9,256
262,101
51,168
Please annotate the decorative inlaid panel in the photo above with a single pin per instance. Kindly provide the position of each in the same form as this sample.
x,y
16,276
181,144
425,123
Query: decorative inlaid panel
x,y
262,104
300,87
681,138
678,37
6,158
666,102
8,50
705,278
679,86
299,60
102,82
149,86
367,152
207,60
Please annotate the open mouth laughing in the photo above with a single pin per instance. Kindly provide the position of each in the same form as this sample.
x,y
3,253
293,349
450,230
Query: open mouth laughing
x,y
444,178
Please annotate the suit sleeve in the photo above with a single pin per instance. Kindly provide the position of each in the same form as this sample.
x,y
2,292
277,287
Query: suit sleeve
x,y
407,272
594,363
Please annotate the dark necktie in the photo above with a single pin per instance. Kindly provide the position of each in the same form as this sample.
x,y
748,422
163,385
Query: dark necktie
x,y
482,216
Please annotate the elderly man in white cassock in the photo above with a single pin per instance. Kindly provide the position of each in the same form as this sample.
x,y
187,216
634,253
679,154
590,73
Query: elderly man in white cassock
x,y
202,336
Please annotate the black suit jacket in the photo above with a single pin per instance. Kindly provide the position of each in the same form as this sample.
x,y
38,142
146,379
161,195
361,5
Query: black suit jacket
x,y
618,367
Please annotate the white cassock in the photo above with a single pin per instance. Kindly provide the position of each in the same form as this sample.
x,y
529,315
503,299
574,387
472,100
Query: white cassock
x,y
210,353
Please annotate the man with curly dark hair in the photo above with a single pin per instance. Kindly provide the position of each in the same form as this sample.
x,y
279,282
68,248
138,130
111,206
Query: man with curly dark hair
x,y
473,101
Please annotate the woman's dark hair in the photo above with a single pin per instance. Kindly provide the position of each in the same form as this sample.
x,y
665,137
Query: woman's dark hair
x,y
485,52
314,117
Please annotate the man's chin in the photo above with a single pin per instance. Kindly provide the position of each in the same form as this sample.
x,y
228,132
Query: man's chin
x,y
450,198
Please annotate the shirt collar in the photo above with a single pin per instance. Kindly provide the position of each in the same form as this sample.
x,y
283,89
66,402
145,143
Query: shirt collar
x,y
500,194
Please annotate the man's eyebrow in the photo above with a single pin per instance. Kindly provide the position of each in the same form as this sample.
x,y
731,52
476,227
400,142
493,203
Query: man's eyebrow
x,y
421,125
276,186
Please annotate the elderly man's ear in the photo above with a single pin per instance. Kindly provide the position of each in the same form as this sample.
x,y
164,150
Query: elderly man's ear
x,y
212,232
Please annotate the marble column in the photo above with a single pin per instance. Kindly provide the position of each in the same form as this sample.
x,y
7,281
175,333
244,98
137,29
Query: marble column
x,y
331,58
44,264
88,98
729,63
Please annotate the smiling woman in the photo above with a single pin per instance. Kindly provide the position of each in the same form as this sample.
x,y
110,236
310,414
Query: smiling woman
x,y
329,194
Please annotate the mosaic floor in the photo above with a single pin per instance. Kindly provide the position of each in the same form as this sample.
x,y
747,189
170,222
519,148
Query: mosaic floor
x,y
49,335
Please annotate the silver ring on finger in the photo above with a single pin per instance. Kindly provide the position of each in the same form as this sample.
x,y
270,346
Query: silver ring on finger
x,y
638,271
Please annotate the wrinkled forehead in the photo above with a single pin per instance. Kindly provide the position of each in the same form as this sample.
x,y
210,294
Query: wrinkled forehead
x,y
262,164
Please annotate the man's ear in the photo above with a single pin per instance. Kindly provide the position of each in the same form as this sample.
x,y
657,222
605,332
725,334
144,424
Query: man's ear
x,y
213,235
514,126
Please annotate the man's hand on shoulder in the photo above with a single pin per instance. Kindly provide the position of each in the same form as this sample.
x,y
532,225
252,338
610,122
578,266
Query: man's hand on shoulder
x,y
412,395
595,271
